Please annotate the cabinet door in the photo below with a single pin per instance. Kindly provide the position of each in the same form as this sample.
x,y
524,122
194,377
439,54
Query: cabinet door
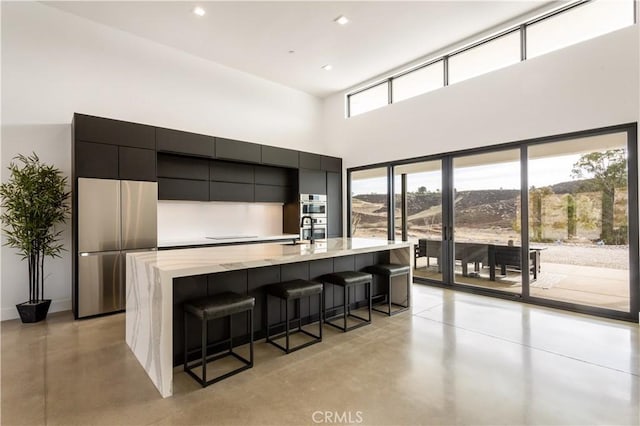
x,y
183,189
280,157
177,166
224,171
334,204
231,191
272,193
312,182
331,164
115,132
96,160
136,164
228,149
168,140
310,161
273,176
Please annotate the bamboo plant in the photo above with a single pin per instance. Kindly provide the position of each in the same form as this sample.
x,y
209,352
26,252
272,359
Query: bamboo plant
x,y
34,202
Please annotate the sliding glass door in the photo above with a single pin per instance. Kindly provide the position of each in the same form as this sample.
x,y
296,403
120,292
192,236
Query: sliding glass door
x,y
552,221
370,203
423,185
486,220
579,220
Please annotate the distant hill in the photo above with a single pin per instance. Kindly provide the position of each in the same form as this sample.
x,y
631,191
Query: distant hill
x,y
484,208
574,186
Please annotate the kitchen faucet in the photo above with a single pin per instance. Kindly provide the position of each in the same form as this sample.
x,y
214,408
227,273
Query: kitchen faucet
x,y
311,221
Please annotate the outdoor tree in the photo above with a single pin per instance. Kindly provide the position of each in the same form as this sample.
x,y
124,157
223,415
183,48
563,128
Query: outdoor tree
x,y
608,170
572,222
536,201
422,190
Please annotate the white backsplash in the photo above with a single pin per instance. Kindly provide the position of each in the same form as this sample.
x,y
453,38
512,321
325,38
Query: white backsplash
x,y
188,220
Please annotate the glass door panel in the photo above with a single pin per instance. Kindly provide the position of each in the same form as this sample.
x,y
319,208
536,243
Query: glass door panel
x,y
578,221
424,215
486,220
369,203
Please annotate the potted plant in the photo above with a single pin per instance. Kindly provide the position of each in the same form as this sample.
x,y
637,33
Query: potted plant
x,y
34,202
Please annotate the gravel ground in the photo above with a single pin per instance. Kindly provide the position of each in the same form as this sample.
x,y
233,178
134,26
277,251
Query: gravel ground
x,y
614,257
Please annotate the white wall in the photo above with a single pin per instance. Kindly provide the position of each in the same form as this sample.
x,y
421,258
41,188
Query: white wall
x,y
55,64
180,221
589,85
592,84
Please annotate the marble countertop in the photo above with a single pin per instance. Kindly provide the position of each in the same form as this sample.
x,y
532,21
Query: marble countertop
x,y
150,279
205,260
210,241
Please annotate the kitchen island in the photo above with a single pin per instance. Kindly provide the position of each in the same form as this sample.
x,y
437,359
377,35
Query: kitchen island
x,y
158,283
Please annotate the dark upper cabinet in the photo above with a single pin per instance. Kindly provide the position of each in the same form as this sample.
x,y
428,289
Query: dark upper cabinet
x,y
168,140
334,204
96,160
228,149
136,164
231,191
331,164
223,171
280,157
114,132
177,166
310,161
183,189
272,193
312,181
273,176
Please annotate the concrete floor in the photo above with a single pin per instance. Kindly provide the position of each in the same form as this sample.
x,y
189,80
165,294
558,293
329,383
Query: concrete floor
x,y
584,285
458,359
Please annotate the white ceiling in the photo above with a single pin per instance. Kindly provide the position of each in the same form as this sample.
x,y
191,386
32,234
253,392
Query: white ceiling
x,y
256,37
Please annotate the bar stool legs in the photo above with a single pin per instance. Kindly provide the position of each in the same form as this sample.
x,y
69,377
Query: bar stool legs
x,y
294,290
390,271
206,309
348,280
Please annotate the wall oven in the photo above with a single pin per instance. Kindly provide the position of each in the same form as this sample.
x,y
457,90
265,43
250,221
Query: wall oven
x,y
319,229
313,208
314,205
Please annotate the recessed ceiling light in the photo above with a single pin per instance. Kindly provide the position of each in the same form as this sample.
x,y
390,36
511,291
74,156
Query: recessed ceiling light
x,y
327,67
199,11
342,20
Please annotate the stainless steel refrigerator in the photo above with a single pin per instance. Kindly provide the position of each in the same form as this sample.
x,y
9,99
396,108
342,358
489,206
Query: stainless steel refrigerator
x,y
114,217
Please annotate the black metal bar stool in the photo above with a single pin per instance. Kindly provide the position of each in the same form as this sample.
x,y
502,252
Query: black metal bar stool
x,y
391,270
348,280
212,307
294,290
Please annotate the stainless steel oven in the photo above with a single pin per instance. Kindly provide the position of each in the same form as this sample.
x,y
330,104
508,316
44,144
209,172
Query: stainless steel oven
x,y
314,205
319,229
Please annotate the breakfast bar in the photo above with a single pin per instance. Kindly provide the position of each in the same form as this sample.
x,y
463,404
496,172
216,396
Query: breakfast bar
x,y
158,282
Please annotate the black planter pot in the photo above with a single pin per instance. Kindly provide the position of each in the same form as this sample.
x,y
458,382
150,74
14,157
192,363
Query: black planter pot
x,y
33,312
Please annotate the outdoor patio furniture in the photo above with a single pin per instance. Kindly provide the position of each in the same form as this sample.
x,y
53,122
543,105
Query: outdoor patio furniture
x,y
509,256
464,252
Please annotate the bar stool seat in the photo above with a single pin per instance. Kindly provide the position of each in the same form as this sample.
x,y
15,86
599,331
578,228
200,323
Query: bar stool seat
x,y
218,306
390,270
347,280
209,308
294,290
